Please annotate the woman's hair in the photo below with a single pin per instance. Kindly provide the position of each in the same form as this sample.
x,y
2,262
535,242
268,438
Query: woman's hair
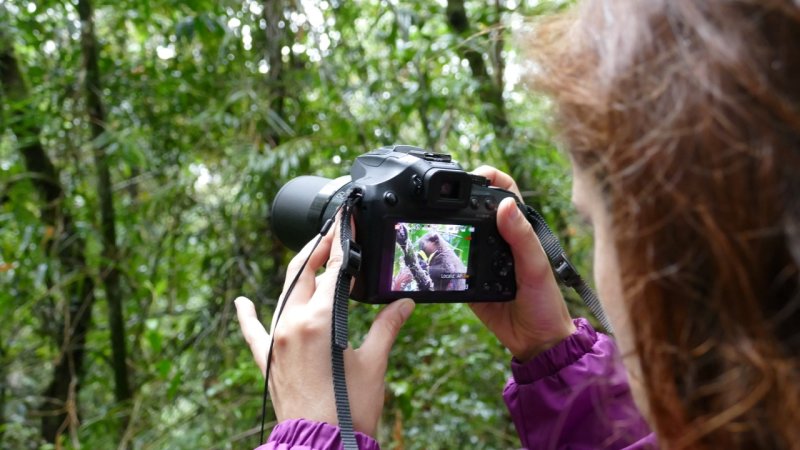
x,y
688,114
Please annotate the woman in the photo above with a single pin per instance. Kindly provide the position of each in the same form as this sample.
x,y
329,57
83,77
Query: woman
x,y
682,119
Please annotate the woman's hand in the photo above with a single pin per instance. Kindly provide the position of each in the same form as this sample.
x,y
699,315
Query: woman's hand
x,y
538,318
301,382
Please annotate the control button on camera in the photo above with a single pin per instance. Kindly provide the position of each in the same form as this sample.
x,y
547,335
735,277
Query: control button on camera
x,y
490,204
502,265
498,287
416,184
390,198
487,287
473,203
504,270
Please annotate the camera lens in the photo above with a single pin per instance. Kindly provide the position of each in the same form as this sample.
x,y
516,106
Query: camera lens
x,y
301,207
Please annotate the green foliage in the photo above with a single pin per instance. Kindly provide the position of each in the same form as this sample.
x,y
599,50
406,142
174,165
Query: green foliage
x,y
202,131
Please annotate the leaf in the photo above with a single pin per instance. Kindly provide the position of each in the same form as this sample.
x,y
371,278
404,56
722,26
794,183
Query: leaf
x,y
155,339
174,385
163,367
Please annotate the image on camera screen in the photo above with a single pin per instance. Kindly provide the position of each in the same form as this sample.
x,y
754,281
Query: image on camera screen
x,y
431,257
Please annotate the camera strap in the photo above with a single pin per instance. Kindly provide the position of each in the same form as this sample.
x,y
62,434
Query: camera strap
x,y
278,314
351,263
563,269
323,231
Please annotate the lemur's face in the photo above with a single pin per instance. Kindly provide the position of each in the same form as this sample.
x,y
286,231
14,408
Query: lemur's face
x,y
430,243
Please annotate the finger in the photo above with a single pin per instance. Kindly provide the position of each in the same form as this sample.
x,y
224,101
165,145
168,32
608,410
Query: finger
x,y
326,283
316,259
483,309
253,331
383,332
498,178
530,262
318,280
307,281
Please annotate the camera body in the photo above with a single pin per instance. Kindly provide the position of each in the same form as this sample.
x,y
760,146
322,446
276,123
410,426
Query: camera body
x,y
427,229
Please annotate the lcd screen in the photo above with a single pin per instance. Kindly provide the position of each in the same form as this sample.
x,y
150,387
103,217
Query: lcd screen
x,y
431,257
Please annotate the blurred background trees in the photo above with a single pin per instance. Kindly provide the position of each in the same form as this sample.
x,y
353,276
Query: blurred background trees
x,y
141,144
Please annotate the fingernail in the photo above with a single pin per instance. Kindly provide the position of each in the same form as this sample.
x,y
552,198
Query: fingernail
x,y
238,300
406,307
514,213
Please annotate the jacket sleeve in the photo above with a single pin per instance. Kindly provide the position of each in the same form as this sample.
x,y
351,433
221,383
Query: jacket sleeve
x,y
576,396
301,434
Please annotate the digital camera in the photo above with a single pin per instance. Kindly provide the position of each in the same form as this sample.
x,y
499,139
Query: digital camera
x,y
426,228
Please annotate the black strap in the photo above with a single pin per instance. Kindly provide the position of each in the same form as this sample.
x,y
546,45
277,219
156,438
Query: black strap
x,y
351,263
323,231
564,270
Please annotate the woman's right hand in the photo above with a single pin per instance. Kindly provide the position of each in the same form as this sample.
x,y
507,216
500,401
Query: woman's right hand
x,y
537,319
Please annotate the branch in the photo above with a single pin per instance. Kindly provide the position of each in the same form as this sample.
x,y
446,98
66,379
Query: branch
x,y
109,275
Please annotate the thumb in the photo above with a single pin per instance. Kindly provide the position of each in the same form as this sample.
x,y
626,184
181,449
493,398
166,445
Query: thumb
x,y
530,261
385,328
253,331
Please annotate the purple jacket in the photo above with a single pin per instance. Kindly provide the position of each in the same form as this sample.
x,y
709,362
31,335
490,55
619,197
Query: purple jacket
x,y
573,396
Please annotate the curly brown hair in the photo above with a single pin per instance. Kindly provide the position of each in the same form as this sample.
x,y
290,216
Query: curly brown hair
x,y
688,113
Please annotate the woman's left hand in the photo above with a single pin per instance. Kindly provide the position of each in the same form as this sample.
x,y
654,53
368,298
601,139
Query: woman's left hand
x,y
301,382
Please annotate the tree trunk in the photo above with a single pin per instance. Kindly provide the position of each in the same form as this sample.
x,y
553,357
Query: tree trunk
x,y
490,90
3,381
276,37
109,273
61,395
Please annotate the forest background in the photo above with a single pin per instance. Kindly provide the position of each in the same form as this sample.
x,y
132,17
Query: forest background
x,y
141,144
